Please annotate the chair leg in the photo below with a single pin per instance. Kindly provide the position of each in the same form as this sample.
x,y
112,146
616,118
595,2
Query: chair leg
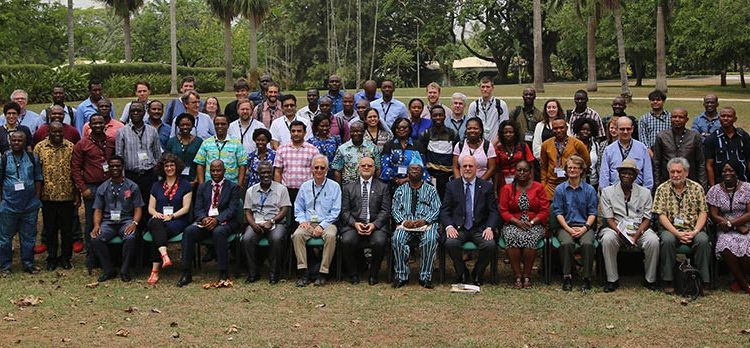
x,y
547,254
441,262
493,267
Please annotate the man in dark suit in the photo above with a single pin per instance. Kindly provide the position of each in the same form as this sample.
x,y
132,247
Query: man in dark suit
x,y
469,213
215,209
366,226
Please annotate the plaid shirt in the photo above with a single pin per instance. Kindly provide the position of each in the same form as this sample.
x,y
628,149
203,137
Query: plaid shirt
x,y
650,125
588,113
295,163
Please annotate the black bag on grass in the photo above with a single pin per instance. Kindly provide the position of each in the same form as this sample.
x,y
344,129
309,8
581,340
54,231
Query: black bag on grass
x,y
691,284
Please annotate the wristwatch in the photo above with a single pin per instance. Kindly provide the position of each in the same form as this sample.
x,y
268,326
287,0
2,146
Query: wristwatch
x,y
729,224
588,227
531,222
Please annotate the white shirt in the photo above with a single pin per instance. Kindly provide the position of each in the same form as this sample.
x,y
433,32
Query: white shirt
x,y
307,114
245,135
280,129
489,115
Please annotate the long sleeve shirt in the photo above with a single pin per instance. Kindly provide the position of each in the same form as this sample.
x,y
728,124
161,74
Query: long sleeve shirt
x,y
318,203
416,204
613,156
89,158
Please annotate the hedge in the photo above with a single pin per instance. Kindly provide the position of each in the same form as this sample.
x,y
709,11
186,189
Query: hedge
x,y
105,71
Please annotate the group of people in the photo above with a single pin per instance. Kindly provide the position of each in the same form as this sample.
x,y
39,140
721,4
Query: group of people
x,y
364,170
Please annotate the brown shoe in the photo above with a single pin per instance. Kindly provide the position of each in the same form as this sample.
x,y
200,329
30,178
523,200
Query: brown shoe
x,y
518,284
668,288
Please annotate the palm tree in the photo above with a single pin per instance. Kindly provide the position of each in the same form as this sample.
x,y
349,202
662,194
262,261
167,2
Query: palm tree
x,y
124,8
225,10
592,21
538,55
173,46
255,11
616,6
661,51
71,41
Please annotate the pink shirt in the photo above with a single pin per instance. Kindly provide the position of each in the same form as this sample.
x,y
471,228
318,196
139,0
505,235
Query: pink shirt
x,y
478,154
110,129
295,163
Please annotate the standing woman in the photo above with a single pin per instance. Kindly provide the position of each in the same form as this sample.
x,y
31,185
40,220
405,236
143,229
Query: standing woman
x,y
729,206
510,150
398,153
586,130
322,139
185,146
212,107
376,131
612,129
543,129
261,137
475,146
418,124
524,208
169,206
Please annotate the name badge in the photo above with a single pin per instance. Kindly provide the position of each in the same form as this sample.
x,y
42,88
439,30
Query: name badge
x,y
114,215
142,155
186,171
402,170
560,172
18,186
168,210
213,212
314,219
509,179
679,222
529,136
105,167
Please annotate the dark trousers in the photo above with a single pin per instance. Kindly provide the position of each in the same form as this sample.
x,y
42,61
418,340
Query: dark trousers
x,y
108,231
88,206
58,217
277,242
441,180
194,234
161,233
351,242
144,181
454,247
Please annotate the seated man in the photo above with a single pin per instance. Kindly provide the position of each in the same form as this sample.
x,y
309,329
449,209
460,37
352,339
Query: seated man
x,y
365,215
626,207
416,208
469,213
266,206
316,209
117,210
681,205
214,212
574,207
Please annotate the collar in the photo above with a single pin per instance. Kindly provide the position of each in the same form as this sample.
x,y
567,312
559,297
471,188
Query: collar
x,y
369,181
260,188
472,183
221,183
321,185
267,105
705,115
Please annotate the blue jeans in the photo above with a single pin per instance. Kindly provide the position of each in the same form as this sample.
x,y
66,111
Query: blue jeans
x,y
25,225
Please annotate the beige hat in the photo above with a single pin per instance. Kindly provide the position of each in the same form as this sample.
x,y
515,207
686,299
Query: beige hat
x,y
629,164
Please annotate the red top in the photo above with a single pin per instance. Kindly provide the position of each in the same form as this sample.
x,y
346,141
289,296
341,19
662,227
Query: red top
x,y
506,162
86,164
70,134
538,203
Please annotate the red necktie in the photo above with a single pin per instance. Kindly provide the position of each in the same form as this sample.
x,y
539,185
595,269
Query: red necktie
x,y
217,193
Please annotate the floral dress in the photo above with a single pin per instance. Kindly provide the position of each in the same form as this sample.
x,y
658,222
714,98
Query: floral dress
x,y
731,205
328,148
252,166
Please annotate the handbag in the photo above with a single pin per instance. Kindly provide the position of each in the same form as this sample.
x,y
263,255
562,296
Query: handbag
x,y
691,284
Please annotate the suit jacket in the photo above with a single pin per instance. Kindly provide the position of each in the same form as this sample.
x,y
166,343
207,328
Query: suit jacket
x,y
453,209
380,203
228,201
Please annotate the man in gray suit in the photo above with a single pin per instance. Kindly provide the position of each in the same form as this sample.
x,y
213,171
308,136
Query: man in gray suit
x,y
365,214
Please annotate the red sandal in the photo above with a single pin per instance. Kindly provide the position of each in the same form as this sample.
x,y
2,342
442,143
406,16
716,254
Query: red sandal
x,y
153,278
165,261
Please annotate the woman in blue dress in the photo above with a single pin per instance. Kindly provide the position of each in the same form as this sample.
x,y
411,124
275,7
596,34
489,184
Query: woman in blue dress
x,y
322,139
261,137
398,153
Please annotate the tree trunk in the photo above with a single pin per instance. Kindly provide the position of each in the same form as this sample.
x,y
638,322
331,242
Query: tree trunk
x,y
359,43
128,41
742,74
591,53
724,77
173,46
624,88
228,81
253,77
71,41
374,39
661,52
538,52
638,66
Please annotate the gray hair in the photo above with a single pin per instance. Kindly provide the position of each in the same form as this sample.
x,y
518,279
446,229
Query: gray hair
x,y
265,163
681,161
459,95
19,91
319,156
358,123
186,96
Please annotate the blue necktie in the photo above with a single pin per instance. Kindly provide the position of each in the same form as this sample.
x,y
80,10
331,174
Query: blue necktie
x,y
469,223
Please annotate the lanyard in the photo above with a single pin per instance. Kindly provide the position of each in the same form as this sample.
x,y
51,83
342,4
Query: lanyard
x,y
458,127
486,110
116,194
243,133
376,137
627,201
679,198
264,197
224,143
560,149
315,196
678,143
625,151
385,111
289,124
140,136
18,166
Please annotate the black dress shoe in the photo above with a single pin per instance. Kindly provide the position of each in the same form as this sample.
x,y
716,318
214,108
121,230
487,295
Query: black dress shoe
x,y
252,278
107,276
273,279
354,279
303,281
586,286
125,277
32,270
478,281
223,275
611,286
567,284
51,265
372,280
399,283
320,281
185,280
427,284
651,286
65,264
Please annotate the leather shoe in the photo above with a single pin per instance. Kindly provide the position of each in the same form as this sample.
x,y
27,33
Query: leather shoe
x,y
611,286
51,265
66,264
372,280
32,269
354,279
107,276
651,286
185,280
303,281
125,277
478,281
273,279
427,284
567,284
223,275
252,278
399,283
320,281
586,286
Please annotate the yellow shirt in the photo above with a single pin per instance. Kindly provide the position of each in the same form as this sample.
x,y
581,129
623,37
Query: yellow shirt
x,y
55,162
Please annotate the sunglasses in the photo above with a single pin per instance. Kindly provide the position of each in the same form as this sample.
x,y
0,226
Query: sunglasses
x,y
366,165
319,167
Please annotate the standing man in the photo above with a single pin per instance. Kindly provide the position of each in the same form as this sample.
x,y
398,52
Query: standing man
x,y
266,207
155,112
177,106
241,91
619,104
389,108
347,113
469,213
681,206
655,121
433,99
582,110
293,160
366,216
59,198
679,142
56,114
281,127
270,109
259,96
243,128
708,121
316,209
27,118
369,92
457,121
626,148
58,98
311,110
489,109
728,142
111,125
555,153
526,116
142,91
626,208
204,126
438,142
335,93
346,161
89,106
21,177
416,210
221,147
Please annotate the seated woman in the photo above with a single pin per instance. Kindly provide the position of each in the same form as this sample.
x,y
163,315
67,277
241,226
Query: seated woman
x,y
475,146
261,137
524,208
169,206
729,206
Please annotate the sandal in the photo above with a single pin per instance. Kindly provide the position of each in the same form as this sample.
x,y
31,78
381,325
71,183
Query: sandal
x,y
518,284
153,278
165,261
527,283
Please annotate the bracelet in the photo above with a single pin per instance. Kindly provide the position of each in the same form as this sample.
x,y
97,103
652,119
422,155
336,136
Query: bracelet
x,y
135,222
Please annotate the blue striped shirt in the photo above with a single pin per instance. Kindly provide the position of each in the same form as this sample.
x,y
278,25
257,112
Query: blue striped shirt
x,y
428,203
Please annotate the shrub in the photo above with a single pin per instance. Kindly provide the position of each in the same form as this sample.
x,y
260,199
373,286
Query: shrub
x,y
103,72
38,83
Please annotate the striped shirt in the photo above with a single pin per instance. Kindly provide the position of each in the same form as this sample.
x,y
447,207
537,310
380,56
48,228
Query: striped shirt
x,y
295,163
140,149
650,125
427,203
229,151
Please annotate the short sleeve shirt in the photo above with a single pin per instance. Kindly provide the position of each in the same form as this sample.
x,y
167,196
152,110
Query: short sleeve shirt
x,y
123,197
295,163
482,157
687,207
230,151
266,205
55,163
348,156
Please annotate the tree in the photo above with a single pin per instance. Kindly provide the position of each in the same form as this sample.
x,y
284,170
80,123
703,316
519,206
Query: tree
x,y
173,46
593,14
616,6
124,8
31,33
661,51
538,52
254,11
71,39
225,10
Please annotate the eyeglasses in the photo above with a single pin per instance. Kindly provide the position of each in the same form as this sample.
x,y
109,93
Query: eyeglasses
x,y
626,129
319,167
366,165
402,127
288,105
